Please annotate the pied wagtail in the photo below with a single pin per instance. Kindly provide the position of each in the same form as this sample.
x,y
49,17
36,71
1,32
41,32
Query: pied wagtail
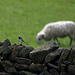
x,y
21,40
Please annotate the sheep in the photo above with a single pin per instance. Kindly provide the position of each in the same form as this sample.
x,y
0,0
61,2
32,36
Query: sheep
x,y
57,29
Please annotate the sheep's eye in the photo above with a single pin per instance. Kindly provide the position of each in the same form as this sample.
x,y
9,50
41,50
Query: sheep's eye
x,y
39,38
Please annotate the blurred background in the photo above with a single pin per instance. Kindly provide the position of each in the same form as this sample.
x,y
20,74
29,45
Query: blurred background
x,y
27,17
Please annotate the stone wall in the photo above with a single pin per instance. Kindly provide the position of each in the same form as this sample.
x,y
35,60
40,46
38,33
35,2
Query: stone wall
x,y
47,59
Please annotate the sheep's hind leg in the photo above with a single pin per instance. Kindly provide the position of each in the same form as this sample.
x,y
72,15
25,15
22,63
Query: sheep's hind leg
x,y
71,41
74,41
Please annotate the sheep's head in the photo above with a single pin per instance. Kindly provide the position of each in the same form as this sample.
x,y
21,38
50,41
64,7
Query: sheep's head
x,y
39,37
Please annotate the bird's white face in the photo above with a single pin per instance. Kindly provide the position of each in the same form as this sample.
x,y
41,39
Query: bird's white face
x,y
19,36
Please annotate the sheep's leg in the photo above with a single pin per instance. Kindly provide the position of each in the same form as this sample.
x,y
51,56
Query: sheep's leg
x,y
74,41
70,41
58,41
54,39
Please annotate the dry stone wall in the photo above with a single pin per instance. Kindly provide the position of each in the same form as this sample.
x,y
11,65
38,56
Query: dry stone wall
x,y
48,59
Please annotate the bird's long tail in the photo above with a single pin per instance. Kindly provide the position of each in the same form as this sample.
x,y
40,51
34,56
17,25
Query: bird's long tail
x,y
25,43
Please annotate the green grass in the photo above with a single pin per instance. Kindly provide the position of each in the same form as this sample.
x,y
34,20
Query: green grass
x,y
28,17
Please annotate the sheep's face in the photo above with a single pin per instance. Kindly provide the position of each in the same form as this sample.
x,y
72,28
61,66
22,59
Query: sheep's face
x,y
39,38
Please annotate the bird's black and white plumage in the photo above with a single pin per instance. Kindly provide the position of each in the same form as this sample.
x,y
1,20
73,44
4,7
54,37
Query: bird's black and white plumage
x,y
21,40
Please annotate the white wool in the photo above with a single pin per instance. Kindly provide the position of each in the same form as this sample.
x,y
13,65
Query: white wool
x,y
58,29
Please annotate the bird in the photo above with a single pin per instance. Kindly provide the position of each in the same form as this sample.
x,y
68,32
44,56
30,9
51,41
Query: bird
x,y
21,40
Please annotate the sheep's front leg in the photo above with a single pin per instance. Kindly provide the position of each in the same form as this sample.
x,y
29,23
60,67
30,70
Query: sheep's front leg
x,y
57,40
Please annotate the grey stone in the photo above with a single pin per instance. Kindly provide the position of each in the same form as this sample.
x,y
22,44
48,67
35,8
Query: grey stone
x,y
54,72
38,54
63,56
11,70
53,66
74,60
1,67
16,48
1,49
37,68
19,46
6,63
7,52
71,69
6,43
21,60
26,73
21,66
25,52
45,73
64,73
63,68
1,43
71,55
53,55
68,62
4,73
